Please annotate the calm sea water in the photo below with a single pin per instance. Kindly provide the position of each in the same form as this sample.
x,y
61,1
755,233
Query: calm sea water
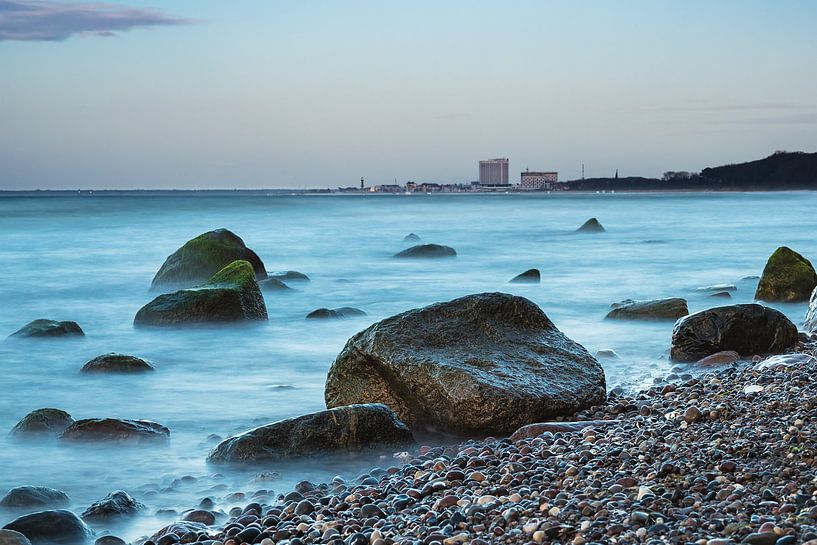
x,y
91,259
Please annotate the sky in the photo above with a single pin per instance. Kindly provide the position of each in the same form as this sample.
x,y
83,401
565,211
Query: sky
x,y
273,93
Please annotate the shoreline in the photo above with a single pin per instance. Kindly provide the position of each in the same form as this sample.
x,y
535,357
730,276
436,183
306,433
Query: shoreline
x,y
723,458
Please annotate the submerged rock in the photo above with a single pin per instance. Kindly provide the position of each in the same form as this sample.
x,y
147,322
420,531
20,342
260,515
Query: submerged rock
x,y
342,429
115,504
232,294
43,422
531,276
811,315
427,251
115,430
718,287
273,284
289,276
745,329
607,354
722,295
485,363
654,309
411,237
591,226
788,277
58,527
34,496
202,257
330,313
117,363
10,537
48,328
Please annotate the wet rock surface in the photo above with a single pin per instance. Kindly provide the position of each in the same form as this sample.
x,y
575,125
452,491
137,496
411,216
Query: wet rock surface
x,y
591,226
485,363
334,313
117,363
115,504
746,329
117,431
654,309
427,251
43,328
34,496
788,277
10,537
202,257
58,527
273,284
289,276
231,295
810,324
41,422
531,276
343,429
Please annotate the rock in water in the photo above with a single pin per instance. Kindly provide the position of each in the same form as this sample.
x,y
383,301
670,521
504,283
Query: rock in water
x,y
722,295
745,329
115,504
427,251
117,363
232,294
788,277
329,313
811,314
10,537
591,226
202,257
34,496
43,422
48,328
58,527
290,276
179,529
114,430
342,429
718,287
411,237
273,284
655,309
531,276
484,363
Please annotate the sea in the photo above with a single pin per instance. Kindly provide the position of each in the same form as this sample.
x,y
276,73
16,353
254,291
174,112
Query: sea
x,y
90,257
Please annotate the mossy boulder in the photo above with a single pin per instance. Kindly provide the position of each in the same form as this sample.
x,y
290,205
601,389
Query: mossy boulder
x,y
427,251
811,315
591,226
117,363
654,309
115,430
231,295
43,328
202,257
340,430
330,313
42,422
531,276
481,364
787,277
748,330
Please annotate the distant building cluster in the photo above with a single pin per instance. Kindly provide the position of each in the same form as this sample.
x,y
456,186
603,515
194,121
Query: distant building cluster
x,y
493,177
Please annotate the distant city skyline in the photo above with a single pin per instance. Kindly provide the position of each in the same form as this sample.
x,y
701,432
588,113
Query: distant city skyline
x,y
205,94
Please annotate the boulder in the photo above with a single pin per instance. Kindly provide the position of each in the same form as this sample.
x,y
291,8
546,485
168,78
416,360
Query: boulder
x,y
114,430
745,329
591,226
342,429
115,504
811,315
273,284
43,422
290,276
720,358
411,237
427,251
787,277
535,430
43,328
481,364
782,361
117,363
34,496
202,257
232,294
10,537
58,527
329,313
531,276
179,528
654,309
110,540
607,354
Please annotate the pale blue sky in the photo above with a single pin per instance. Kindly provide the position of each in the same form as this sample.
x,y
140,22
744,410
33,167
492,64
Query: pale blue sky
x,y
308,93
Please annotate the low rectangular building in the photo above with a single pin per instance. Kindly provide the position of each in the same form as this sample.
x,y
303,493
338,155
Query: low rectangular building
x,y
538,181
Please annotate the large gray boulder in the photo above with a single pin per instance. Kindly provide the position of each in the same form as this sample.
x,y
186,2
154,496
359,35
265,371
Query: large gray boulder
x,y
231,295
34,496
745,329
343,429
202,257
481,364
788,277
41,422
117,363
654,309
43,328
811,315
427,251
115,430
58,527
115,504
